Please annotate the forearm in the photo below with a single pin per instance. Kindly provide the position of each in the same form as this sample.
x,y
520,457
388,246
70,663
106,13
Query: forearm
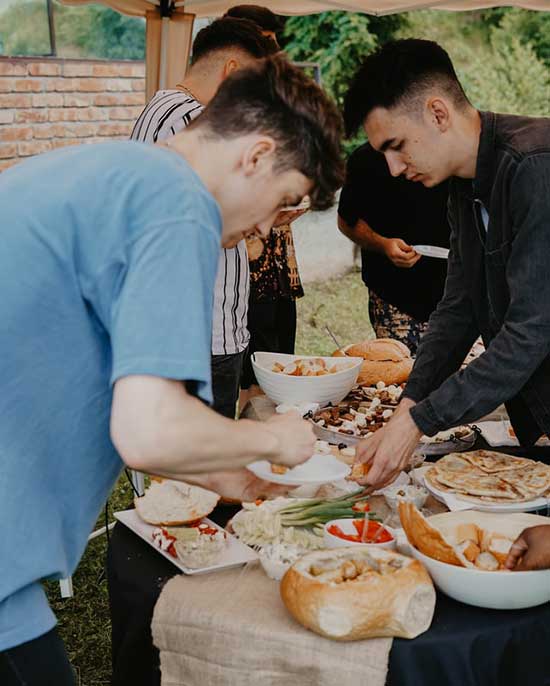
x,y
363,236
173,434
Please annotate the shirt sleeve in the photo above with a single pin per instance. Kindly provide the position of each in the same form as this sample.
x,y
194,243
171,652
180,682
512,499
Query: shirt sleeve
x,y
523,341
350,205
161,307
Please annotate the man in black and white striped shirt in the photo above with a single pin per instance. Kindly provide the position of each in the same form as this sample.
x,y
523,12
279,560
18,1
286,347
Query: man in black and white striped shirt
x,y
218,50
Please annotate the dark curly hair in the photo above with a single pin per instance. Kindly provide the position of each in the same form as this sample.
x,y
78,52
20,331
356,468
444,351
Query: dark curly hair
x,y
399,74
230,32
278,99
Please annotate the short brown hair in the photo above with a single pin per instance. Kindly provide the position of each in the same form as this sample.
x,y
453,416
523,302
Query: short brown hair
x,y
278,99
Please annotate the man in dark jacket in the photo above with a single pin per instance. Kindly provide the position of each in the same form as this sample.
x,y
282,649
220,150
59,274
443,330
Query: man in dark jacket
x,y
414,110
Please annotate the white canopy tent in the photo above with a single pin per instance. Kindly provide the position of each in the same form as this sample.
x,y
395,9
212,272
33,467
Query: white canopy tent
x,y
170,22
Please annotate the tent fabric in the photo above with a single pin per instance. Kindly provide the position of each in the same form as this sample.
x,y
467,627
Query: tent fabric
x,y
213,8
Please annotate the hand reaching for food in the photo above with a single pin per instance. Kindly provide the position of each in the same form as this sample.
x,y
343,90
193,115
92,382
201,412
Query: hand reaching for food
x,y
531,550
296,440
400,253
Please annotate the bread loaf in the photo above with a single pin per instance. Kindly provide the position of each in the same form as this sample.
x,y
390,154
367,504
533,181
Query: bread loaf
x,y
386,360
173,503
354,593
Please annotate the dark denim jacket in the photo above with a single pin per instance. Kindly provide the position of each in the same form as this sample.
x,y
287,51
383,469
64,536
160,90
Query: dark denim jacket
x,y
498,285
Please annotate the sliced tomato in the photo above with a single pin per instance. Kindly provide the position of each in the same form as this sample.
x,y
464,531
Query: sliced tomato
x,y
335,530
373,531
362,506
171,550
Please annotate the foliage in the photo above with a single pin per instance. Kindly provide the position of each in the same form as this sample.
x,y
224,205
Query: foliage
x,y
87,32
498,70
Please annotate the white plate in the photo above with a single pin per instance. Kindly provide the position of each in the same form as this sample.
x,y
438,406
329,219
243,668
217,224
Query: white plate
x,y
432,251
319,469
234,555
455,503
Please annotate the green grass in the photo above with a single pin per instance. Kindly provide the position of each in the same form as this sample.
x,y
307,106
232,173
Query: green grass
x,y
84,621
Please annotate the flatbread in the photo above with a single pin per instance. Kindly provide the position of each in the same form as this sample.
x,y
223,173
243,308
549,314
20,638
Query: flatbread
x,y
492,462
472,484
533,480
424,537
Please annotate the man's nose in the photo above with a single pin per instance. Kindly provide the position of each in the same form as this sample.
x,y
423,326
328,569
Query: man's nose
x,y
395,164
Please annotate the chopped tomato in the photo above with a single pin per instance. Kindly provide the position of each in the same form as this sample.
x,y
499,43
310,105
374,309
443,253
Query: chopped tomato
x,y
362,506
258,501
171,550
373,531
335,530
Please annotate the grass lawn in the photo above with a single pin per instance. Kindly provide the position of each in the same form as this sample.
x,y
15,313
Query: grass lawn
x,y
84,621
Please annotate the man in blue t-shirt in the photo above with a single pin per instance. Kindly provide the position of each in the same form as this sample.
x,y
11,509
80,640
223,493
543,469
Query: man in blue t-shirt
x,y
107,269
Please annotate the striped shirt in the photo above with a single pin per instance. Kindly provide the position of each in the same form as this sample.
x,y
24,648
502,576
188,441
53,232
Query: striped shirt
x,y
167,113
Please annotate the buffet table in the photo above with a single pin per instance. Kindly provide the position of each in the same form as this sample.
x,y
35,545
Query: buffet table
x,y
465,646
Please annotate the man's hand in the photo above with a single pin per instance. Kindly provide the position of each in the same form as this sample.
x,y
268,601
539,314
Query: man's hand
x,y
531,550
389,449
239,486
400,253
296,440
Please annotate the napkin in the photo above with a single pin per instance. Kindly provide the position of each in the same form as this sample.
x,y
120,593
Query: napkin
x,y
497,434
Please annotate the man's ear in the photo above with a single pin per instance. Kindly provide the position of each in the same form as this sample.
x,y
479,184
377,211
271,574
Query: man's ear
x,y
258,155
230,66
439,113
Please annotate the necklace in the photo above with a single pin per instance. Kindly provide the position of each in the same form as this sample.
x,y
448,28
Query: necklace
x,y
181,87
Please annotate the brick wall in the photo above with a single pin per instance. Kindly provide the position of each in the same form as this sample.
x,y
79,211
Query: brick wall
x,y
47,104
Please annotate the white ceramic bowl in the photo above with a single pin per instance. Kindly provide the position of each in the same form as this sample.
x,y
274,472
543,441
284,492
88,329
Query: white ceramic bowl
x,y
346,525
281,388
500,590
413,494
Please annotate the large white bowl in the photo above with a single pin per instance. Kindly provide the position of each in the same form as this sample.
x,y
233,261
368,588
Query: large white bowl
x,y
281,388
501,590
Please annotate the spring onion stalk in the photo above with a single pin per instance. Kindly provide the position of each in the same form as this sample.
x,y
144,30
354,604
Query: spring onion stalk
x,y
316,512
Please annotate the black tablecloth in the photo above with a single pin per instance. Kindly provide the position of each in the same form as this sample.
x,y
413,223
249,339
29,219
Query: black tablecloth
x,y
465,646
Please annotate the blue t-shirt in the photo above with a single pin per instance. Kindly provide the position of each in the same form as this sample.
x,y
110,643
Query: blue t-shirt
x,y
108,256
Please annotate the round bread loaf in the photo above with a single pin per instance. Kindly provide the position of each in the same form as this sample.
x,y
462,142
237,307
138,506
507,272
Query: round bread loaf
x,y
354,593
386,360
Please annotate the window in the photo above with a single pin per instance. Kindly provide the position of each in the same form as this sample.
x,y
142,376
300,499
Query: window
x,y
46,27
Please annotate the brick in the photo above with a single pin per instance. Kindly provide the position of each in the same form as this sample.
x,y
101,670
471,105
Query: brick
x,y
63,114
93,114
124,113
138,84
61,84
79,130
6,164
118,129
120,70
30,116
8,150
92,85
80,100
47,100
65,142
49,131
33,148
106,70
15,100
28,85
77,69
44,69
119,99
6,116
16,133
136,70
7,85
119,85
12,68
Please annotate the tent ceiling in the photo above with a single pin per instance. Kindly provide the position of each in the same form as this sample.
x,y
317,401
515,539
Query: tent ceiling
x,y
212,8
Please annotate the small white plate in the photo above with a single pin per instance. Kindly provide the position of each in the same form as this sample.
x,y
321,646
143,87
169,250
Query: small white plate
x,y
319,469
234,555
432,251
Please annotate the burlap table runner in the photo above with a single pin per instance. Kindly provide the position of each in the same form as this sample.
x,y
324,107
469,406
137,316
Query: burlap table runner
x,y
231,628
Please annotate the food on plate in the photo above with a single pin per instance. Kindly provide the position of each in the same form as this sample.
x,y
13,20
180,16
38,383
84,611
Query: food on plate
x,y
353,418
293,521
195,546
410,493
279,469
277,558
463,544
315,366
172,503
387,395
356,593
373,532
386,360
459,433
487,476
359,471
